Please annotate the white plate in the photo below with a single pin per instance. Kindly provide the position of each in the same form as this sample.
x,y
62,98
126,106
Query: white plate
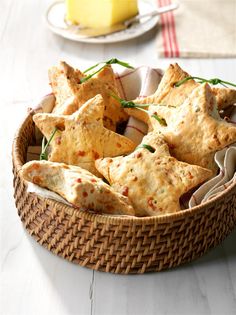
x,y
55,20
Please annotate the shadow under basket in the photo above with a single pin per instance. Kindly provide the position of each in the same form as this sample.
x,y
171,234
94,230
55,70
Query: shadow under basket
x,y
119,244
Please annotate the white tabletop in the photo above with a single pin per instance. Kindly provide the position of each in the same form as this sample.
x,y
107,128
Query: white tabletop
x,y
34,281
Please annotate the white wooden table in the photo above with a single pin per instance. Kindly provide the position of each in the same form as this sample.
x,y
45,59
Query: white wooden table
x,y
34,281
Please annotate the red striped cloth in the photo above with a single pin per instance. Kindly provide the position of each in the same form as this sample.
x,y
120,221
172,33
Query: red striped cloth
x,y
169,38
198,29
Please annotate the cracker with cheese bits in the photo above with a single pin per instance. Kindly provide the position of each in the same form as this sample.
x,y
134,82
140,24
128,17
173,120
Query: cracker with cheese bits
x,y
151,178
78,186
71,94
194,129
168,94
81,138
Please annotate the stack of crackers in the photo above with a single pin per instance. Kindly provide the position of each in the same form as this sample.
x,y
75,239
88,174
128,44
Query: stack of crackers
x,y
95,168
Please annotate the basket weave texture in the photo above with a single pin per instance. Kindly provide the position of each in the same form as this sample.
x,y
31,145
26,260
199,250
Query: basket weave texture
x,y
119,244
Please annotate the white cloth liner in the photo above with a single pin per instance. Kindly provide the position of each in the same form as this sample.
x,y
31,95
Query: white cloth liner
x,y
142,82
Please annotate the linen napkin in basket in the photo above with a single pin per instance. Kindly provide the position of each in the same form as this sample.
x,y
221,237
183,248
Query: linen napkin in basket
x,y
146,81
198,28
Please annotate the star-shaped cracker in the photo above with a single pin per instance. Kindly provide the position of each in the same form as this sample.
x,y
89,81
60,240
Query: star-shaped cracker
x,y
195,130
224,97
81,138
71,94
78,186
168,94
151,178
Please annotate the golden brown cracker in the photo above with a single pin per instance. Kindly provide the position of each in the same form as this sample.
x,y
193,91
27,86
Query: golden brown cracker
x,y
81,138
71,94
77,186
224,97
195,130
168,94
153,181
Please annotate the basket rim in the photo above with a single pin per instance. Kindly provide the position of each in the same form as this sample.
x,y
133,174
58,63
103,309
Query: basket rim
x,y
106,218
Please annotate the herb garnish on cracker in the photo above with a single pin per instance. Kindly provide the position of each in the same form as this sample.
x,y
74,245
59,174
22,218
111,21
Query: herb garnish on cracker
x,y
105,63
131,104
214,81
43,154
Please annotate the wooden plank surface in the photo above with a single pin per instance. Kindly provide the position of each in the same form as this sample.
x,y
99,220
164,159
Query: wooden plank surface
x,y
35,282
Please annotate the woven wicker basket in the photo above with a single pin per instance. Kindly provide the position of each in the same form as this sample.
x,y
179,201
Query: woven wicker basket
x,y
119,244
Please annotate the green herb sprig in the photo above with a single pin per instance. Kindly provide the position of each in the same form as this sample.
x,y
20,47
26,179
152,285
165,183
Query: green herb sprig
x,y
214,81
105,63
44,155
146,146
130,104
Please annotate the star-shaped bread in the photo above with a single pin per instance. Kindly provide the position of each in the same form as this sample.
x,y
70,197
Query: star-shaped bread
x,y
78,186
195,130
71,94
81,138
153,181
168,94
